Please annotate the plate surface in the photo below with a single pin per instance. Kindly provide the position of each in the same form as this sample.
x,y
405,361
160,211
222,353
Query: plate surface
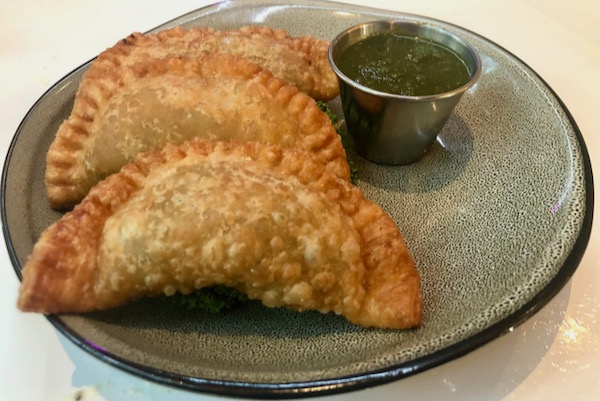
x,y
497,215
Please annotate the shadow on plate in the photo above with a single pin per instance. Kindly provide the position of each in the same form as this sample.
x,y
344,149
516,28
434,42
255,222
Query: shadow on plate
x,y
445,161
250,319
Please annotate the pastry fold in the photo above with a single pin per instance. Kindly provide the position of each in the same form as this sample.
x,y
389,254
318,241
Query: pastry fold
x,y
120,113
300,61
266,220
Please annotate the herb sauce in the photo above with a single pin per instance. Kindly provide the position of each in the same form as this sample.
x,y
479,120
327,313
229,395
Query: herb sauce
x,y
403,65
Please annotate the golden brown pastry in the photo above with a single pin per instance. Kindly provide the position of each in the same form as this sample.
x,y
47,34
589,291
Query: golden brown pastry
x,y
300,61
146,105
265,220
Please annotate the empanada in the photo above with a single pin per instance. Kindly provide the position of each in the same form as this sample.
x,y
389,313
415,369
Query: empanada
x,y
300,61
265,220
146,105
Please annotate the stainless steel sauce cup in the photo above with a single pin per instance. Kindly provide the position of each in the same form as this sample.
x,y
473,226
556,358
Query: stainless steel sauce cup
x,y
396,129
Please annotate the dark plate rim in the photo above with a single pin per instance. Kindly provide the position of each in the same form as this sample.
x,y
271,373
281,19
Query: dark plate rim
x,y
351,382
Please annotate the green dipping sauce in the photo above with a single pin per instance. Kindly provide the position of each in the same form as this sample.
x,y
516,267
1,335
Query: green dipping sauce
x,y
403,65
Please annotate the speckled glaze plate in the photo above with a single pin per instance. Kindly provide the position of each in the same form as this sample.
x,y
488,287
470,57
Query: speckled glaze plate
x,y
497,215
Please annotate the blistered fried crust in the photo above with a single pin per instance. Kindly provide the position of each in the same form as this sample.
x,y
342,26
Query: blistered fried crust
x,y
146,105
260,218
300,61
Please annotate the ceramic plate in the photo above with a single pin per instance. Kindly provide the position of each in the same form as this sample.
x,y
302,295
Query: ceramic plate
x,y
497,215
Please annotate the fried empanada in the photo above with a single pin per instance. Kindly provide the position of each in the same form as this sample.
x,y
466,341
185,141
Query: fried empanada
x,y
144,106
300,61
265,220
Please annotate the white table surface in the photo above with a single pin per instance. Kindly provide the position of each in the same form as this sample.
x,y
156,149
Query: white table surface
x,y
555,355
